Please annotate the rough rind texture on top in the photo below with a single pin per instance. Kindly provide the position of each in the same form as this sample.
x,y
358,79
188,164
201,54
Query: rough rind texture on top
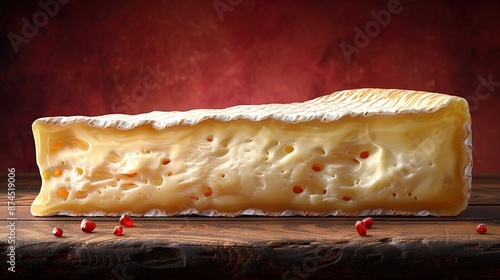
x,y
328,108
365,102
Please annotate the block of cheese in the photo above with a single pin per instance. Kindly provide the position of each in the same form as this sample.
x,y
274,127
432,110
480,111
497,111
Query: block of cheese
x,y
354,152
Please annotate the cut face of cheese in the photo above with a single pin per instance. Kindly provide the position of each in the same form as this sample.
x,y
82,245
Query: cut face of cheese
x,y
355,152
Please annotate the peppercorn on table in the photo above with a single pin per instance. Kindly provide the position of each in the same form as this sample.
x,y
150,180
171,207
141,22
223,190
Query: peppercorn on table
x,y
194,247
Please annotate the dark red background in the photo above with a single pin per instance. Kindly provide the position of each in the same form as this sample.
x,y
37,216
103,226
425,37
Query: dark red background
x,y
92,55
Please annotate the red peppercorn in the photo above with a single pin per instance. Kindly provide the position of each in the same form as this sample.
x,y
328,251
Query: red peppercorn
x,y
481,229
118,231
87,225
361,228
368,222
125,220
57,232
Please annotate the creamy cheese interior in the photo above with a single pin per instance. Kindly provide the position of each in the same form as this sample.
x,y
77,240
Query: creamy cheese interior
x,y
404,162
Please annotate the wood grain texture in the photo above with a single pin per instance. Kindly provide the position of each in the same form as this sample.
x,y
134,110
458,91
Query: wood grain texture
x,y
193,247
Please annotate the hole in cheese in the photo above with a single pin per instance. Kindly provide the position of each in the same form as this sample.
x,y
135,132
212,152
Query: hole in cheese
x,y
77,143
46,175
158,181
113,157
297,189
220,152
58,144
81,194
62,193
319,151
364,154
79,171
128,186
210,138
57,172
317,167
315,190
165,161
288,149
207,191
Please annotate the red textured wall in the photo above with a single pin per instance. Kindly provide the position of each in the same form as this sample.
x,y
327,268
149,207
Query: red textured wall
x,y
99,57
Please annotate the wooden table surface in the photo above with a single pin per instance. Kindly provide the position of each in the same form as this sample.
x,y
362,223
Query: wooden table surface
x,y
192,247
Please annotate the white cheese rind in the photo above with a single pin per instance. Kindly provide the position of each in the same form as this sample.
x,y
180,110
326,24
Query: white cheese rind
x,y
328,108
109,163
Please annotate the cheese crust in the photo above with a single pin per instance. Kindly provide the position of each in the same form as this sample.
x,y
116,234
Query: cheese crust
x,y
354,152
